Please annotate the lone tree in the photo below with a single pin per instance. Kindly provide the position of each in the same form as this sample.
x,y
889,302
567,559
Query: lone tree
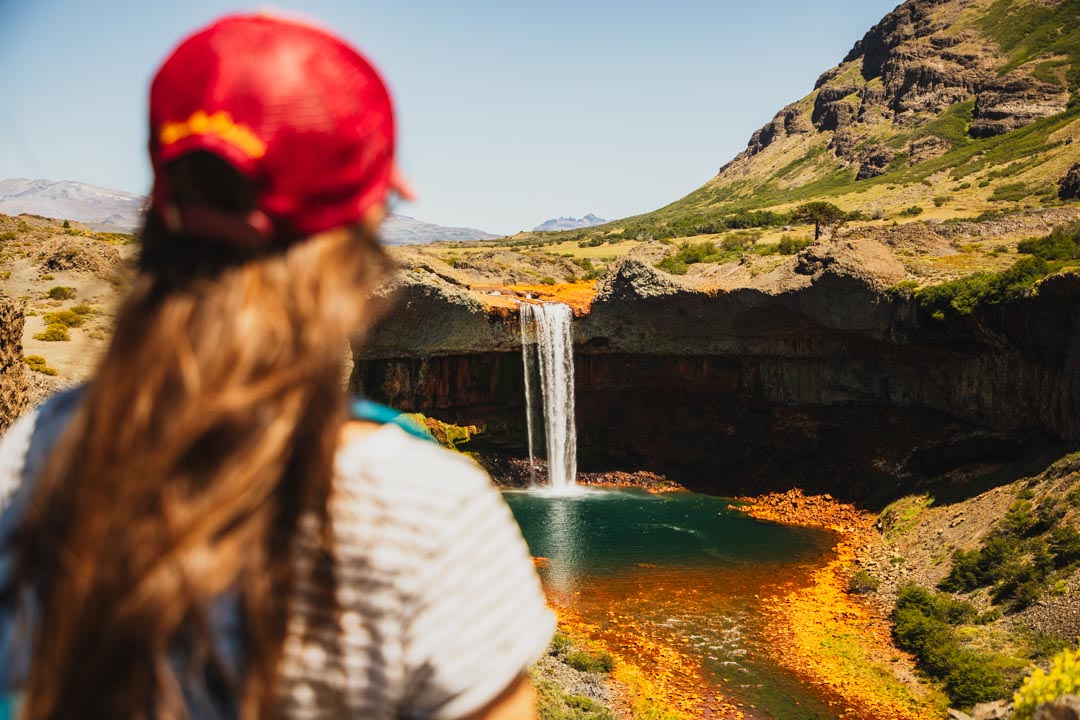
x,y
823,215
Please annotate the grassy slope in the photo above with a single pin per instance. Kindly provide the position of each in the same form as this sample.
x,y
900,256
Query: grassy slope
x,y
1016,170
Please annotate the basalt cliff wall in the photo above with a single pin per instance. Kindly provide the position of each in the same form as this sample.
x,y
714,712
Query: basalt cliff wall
x,y
822,377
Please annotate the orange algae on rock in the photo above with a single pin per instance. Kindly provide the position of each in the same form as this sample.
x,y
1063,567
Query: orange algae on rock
x,y
825,635
656,681
505,300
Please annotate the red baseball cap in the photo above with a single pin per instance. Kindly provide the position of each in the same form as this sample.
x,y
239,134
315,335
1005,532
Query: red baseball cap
x,y
291,106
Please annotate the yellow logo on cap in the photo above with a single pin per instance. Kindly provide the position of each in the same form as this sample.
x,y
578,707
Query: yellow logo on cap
x,y
220,124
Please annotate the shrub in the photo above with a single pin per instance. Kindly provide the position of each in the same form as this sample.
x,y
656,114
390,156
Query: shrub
x,y
940,200
53,333
965,295
560,644
1063,678
790,246
38,364
1010,192
67,318
911,211
547,280
7,236
585,661
692,254
922,625
82,309
1063,243
973,679
60,292
66,225
963,186
862,583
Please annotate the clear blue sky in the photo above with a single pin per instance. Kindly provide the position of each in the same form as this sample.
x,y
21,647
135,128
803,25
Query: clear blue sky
x,y
509,112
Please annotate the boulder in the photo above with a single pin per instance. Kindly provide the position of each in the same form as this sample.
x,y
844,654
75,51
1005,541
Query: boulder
x,y
1066,707
997,710
1069,188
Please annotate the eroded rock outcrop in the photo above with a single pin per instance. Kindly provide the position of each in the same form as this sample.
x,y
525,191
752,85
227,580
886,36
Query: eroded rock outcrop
x,y
1069,188
13,381
1013,101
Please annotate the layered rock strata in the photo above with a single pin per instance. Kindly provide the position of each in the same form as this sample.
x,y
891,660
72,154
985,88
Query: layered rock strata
x,y
828,380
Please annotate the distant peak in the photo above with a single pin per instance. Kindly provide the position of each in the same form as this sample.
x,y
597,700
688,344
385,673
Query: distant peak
x,y
569,223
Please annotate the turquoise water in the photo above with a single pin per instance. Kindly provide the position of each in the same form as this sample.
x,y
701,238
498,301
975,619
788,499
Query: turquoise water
x,y
681,570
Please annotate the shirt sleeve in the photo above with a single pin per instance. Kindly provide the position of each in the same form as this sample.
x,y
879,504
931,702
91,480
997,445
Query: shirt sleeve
x,y
480,616
14,446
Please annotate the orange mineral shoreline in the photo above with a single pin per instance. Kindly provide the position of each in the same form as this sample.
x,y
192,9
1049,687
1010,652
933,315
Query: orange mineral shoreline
x,y
828,636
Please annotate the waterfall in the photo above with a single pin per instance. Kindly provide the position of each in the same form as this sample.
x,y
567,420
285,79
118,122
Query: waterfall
x,y
546,337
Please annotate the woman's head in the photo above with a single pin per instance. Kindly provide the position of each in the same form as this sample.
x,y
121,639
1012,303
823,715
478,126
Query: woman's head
x,y
295,110
211,425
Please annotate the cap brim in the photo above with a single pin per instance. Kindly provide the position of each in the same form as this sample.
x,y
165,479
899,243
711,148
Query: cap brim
x,y
400,185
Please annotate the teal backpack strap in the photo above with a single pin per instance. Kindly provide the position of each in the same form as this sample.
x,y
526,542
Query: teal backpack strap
x,y
366,410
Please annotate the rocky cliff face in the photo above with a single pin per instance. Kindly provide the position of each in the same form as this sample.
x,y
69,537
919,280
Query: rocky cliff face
x,y
930,75
13,382
829,380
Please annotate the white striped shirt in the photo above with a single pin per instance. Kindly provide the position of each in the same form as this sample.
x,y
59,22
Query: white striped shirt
x,y
438,607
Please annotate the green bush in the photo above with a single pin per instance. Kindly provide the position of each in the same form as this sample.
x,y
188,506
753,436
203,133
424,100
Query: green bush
x,y
923,625
940,200
965,295
973,679
1010,192
60,292
791,246
547,280
82,309
53,333
7,236
1063,243
38,364
67,318
1020,559
694,253
862,583
911,211
585,661
560,644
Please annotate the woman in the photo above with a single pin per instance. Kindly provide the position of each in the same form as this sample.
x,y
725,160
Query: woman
x,y
202,531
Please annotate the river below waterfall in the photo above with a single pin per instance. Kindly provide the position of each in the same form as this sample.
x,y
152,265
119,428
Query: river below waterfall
x,y
655,573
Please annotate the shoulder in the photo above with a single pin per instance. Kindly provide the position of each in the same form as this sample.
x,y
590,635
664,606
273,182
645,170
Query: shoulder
x,y
393,461
27,443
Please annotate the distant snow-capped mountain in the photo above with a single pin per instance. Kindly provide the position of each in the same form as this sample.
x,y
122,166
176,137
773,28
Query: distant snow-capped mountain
x,y
105,209
67,200
569,223
404,230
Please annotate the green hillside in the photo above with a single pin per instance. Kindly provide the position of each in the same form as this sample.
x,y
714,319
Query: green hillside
x,y
946,109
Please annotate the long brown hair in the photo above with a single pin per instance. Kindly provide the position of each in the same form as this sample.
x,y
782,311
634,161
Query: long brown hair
x,y
208,430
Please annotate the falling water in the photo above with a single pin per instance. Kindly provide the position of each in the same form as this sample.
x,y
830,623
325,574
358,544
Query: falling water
x,y
547,328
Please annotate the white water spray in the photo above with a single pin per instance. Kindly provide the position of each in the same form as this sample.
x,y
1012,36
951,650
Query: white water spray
x,y
546,336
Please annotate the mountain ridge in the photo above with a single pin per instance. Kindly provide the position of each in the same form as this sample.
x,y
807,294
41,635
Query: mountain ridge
x,y
569,223
105,209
